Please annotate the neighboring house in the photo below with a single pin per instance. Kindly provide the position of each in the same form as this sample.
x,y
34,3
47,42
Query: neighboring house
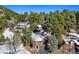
x,y
1,13
11,21
23,25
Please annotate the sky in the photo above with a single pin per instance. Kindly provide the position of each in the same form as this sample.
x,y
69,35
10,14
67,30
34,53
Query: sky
x,y
40,8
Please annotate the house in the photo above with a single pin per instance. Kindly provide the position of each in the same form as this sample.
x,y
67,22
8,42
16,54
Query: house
x,y
11,21
1,11
23,25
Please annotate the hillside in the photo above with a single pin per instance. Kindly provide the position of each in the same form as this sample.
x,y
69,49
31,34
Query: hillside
x,y
57,22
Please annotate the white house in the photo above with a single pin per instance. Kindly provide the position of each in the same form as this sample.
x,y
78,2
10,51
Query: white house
x,y
22,25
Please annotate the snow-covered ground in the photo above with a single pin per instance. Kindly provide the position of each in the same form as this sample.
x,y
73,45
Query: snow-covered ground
x,y
4,49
